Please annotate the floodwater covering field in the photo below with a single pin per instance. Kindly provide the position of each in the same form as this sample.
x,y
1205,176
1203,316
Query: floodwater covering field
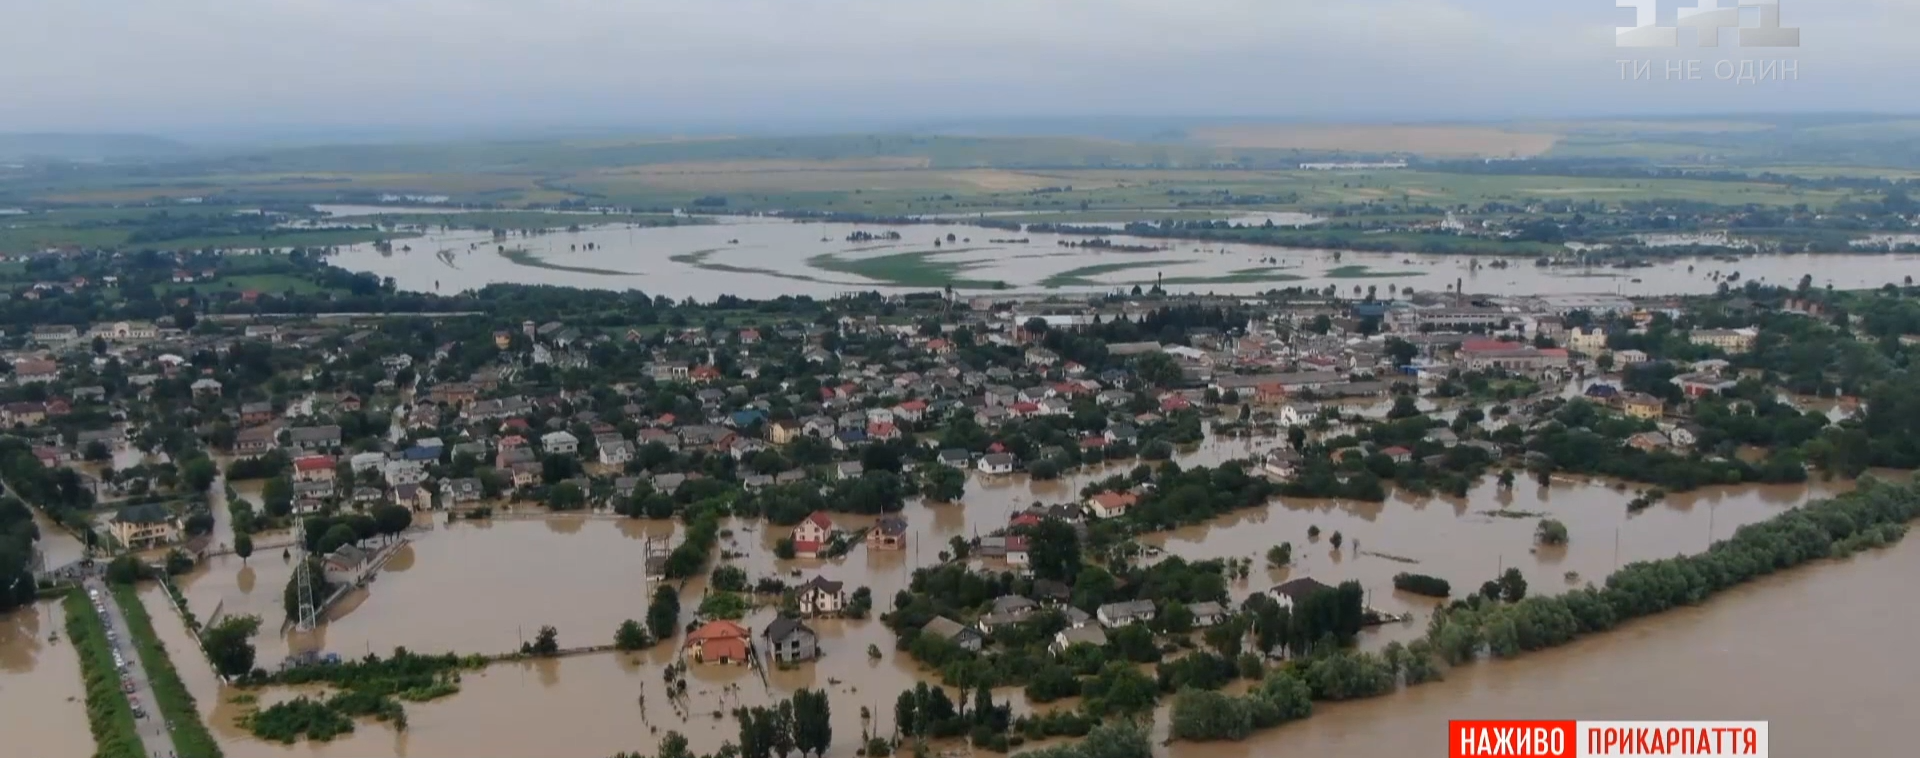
x,y
483,587
764,257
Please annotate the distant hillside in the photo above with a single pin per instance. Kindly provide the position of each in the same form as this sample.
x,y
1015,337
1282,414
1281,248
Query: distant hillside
x,y
87,147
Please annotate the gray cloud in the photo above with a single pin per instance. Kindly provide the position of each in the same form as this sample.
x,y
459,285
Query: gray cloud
x,y
131,65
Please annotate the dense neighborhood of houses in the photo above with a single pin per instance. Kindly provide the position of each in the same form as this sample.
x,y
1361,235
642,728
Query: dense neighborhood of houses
x,y
556,416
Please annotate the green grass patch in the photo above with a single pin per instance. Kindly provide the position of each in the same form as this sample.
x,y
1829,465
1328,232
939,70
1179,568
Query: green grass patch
x,y
521,257
916,268
1364,272
176,704
109,715
1238,276
701,259
1083,276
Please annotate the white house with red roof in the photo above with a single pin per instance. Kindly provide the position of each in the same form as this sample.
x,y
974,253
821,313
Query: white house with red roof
x,y
313,468
810,536
911,411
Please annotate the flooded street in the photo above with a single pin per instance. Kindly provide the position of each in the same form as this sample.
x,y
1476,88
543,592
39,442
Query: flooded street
x,y
763,257
41,695
484,587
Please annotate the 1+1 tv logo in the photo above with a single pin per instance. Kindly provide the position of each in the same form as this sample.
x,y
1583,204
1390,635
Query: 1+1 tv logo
x,y
1707,18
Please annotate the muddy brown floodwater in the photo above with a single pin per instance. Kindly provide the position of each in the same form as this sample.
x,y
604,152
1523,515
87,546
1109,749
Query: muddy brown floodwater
x,y
43,708
483,587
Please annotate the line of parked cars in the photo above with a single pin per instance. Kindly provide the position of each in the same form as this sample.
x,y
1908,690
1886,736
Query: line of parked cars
x,y
119,658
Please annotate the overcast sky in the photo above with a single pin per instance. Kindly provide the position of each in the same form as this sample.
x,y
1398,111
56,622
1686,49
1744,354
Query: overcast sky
x,y
234,66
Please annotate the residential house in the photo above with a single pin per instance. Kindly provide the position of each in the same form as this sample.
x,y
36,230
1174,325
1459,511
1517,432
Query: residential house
x,y
1115,615
955,458
790,641
810,536
1649,441
723,642
364,462
1283,463
1016,551
889,533
313,468
996,463
783,432
344,564
1642,406
560,443
1207,613
1729,340
821,596
961,635
526,474
1105,505
1079,635
308,439
413,496
139,527
253,414
404,471
616,452
255,441
313,491
464,491
29,372
206,387
24,413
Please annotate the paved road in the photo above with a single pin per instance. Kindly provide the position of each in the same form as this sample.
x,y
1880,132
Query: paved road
x,y
153,729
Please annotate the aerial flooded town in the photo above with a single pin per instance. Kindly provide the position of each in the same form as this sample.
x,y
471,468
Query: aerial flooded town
x,y
667,429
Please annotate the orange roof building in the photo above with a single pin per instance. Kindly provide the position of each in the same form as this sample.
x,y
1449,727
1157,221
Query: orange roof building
x,y
722,642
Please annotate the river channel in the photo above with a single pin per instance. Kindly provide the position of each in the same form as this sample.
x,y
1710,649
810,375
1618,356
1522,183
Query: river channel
x,y
764,257
483,587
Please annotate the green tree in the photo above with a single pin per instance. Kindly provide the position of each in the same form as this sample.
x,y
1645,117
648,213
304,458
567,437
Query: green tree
x,y
1203,715
1513,586
1159,370
812,722
199,473
391,520
1551,532
630,636
336,536
545,642
243,546
1053,549
1280,556
229,644
663,614
943,483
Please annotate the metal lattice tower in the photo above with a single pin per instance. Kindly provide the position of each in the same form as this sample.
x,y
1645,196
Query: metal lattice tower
x,y
303,575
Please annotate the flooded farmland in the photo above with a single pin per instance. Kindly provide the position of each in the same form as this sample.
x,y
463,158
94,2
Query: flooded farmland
x,y
483,587
761,257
